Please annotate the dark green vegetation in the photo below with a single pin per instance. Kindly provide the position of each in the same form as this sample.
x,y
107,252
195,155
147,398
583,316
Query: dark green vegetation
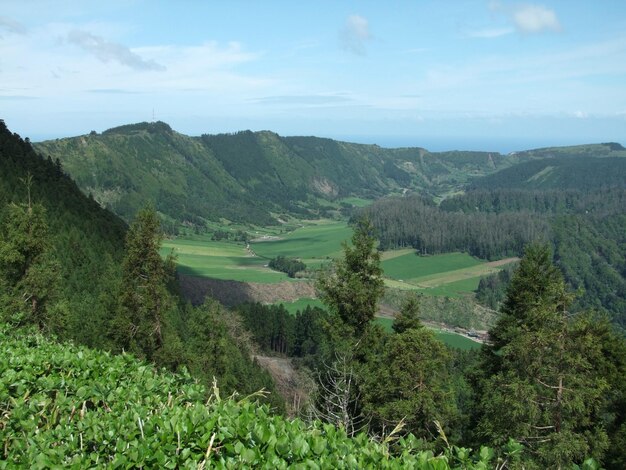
x,y
289,266
568,389
586,228
68,267
71,407
581,168
249,176
549,391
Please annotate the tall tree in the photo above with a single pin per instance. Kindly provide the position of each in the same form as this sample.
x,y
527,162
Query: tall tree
x,y
29,271
144,299
541,386
352,290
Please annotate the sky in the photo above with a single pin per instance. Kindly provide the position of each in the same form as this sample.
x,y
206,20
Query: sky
x,y
472,75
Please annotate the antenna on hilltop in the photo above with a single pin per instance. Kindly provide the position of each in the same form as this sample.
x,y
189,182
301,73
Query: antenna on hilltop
x,y
153,115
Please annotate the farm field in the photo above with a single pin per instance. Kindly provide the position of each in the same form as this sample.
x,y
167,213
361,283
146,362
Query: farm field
x,y
316,243
220,260
453,340
450,274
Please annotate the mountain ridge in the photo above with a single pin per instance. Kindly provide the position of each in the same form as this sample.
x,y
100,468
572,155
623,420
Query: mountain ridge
x,y
257,176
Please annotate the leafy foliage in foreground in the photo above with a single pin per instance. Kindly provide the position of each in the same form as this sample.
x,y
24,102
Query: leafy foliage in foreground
x,y
73,407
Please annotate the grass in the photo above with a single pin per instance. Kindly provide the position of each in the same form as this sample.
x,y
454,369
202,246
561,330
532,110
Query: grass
x,y
449,275
316,243
312,243
453,340
410,266
220,260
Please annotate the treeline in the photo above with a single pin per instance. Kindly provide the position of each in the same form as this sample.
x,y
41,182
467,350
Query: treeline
x,y
289,266
418,223
72,269
586,229
275,330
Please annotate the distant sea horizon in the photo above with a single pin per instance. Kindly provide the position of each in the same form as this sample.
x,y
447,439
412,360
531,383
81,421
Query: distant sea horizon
x,y
504,145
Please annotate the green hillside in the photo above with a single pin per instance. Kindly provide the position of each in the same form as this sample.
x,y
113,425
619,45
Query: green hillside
x,y
66,267
560,173
249,176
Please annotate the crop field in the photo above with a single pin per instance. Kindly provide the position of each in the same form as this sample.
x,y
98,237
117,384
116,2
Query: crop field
x,y
450,274
316,243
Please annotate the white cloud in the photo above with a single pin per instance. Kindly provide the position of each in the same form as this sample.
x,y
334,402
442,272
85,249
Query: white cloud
x,y
580,114
535,19
355,34
106,51
491,33
527,18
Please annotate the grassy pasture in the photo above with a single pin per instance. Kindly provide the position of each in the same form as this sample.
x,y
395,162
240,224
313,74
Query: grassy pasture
x,y
313,243
451,339
450,274
409,266
220,260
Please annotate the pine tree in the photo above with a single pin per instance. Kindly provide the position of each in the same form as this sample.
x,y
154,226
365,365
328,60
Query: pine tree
x,y
541,388
353,289
409,379
144,299
29,271
408,318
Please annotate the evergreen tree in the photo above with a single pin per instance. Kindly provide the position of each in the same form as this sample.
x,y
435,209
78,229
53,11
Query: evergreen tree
x,y
144,299
29,271
541,387
353,289
408,318
409,379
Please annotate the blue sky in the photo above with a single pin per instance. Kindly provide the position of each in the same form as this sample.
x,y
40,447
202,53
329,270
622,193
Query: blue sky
x,y
494,75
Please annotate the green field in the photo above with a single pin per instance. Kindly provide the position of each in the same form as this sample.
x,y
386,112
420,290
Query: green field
x,y
220,260
410,266
452,340
316,243
313,244
449,275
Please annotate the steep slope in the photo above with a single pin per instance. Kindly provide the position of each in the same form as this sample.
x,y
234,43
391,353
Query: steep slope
x,y
583,167
87,239
249,176
67,406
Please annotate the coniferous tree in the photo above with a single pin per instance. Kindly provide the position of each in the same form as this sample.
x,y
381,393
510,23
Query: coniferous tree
x,y
408,317
29,271
353,289
141,321
541,386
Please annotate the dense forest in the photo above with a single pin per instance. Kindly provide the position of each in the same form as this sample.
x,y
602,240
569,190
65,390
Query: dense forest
x,y
562,405
587,230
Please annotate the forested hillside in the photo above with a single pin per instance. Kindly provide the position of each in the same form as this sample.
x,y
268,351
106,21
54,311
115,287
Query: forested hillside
x,y
586,228
247,176
564,173
74,269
